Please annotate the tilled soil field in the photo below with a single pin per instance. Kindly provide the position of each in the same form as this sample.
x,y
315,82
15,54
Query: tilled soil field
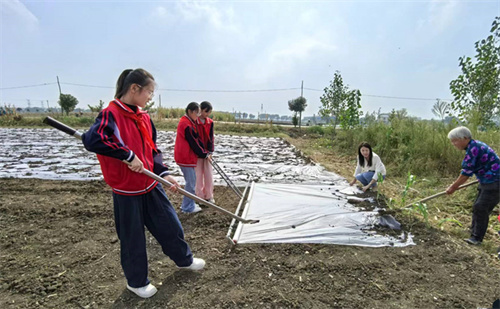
x,y
58,249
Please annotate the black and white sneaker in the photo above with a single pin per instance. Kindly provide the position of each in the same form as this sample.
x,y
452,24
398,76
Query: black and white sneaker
x,y
473,241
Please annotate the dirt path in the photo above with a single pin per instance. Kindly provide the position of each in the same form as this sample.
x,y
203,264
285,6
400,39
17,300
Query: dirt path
x,y
59,250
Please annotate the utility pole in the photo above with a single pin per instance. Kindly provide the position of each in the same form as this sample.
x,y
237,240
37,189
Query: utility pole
x,y
59,85
301,95
159,107
29,103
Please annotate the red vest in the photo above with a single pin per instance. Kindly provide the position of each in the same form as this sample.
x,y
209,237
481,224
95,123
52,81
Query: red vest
x,y
183,154
204,130
116,173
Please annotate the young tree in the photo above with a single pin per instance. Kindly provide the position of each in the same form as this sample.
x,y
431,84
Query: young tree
x,y
295,119
97,108
298,105
67,103
399,114
370,118
340,103
477,90
441,109
349,117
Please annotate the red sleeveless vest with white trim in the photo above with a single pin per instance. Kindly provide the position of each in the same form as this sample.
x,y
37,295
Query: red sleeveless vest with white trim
x,y
116,173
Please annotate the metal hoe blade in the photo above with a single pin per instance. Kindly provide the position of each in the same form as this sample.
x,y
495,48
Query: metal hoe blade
x,y
226,178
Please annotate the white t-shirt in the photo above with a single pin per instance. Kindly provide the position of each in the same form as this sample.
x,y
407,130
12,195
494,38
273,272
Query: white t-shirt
x,y
376,166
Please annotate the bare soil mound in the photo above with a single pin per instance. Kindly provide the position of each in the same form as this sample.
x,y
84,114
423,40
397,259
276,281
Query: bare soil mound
x,y
58,249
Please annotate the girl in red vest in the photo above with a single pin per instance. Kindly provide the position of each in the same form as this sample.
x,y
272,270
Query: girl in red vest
x,y
124,132
188,148
204,175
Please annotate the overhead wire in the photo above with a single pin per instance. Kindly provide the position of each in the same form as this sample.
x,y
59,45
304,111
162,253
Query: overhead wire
x,y
27,86
224,90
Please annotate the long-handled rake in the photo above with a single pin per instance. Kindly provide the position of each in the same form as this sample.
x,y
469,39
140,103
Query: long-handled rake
x,y
439,194
226,178
66,129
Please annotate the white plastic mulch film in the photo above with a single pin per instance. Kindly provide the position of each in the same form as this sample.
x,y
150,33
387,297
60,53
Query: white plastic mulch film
x,y
291,213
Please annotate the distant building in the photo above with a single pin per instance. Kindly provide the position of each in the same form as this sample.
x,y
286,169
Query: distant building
x,y
317,120
383,118
34,110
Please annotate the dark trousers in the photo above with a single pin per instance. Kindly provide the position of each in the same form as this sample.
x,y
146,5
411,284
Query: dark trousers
x,y
154,211
488,196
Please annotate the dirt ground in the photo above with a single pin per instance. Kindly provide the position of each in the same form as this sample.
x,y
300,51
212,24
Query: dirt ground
x,y
58,249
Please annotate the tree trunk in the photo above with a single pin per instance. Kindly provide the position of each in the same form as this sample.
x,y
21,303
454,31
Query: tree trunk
x,y
300,120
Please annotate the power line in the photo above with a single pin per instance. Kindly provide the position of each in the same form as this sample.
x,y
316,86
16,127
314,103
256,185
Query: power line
x,y
248,90
387,97
226,91
91,86
193,90
28,86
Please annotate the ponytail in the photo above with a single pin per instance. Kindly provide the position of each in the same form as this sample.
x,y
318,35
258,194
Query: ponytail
x,y
128,77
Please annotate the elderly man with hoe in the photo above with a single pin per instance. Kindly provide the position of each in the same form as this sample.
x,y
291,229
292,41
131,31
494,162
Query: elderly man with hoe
x,y
482,161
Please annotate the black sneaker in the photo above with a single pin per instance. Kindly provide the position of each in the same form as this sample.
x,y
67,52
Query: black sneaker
x,y
473,241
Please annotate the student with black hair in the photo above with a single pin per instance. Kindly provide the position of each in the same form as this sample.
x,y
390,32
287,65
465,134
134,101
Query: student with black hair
x,y
124,132
188,148
204,174
368,167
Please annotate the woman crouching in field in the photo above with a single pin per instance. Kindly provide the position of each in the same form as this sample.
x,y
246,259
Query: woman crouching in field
x,y
368,168
482,161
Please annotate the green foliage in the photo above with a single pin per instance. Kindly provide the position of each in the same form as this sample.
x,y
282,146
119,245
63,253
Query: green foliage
x,y
477,90
410,181
295,120
441,109
11,120
316,130
380,182
421,208
164,112
297,105
442,221
67,103
349,116
97,108
339,102
410,144
370,118
421,146
222,116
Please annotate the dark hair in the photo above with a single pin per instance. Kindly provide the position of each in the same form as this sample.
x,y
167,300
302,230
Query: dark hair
x,y
206,106
129,77
360,156
192,107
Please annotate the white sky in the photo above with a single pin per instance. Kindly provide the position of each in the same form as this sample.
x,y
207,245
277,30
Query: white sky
x,y
383,48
